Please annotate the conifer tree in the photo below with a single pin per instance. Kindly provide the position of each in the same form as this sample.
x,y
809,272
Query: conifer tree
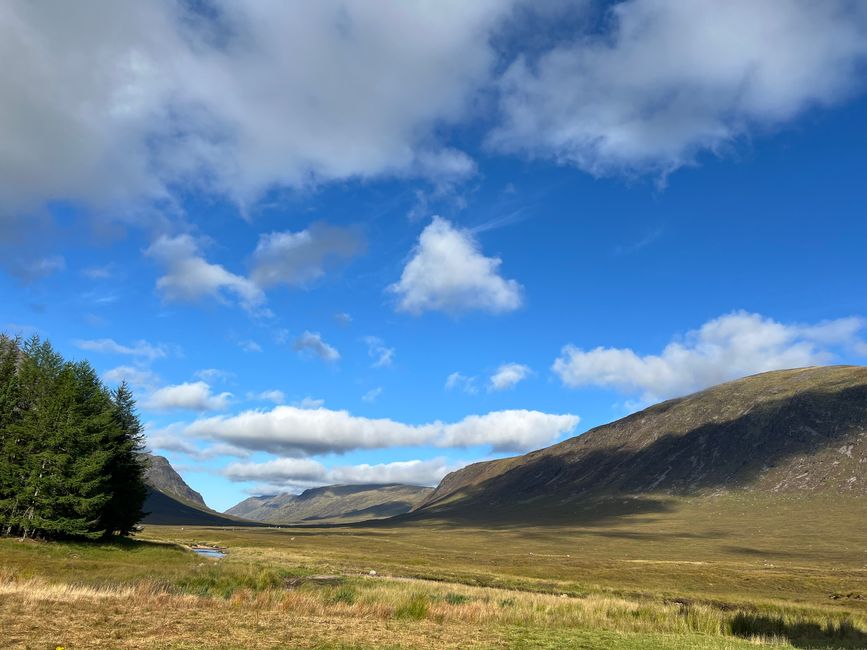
x,y
126,468
68,447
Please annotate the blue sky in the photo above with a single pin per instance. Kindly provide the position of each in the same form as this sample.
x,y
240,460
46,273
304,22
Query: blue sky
x,y
361,242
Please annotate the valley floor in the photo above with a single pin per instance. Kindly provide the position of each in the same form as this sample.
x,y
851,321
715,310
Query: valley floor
x,y
725,572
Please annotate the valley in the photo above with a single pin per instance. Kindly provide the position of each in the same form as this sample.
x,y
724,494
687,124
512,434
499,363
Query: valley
x,y
717,572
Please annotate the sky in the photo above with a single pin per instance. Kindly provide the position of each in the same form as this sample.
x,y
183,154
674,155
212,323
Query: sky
x,y
375,241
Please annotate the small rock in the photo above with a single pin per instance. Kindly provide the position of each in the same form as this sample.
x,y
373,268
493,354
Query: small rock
x,y
372,573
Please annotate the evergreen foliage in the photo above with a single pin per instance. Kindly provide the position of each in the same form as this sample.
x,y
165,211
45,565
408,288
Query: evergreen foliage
x,y
69,447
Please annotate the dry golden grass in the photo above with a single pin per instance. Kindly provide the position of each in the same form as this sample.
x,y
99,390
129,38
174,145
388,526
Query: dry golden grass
x,y
36,613
703,575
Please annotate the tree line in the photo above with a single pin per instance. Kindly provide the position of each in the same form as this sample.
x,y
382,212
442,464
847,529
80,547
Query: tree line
x,y
69,447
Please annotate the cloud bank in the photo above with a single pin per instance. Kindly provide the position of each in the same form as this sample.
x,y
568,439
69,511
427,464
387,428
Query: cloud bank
x,y
722,349
294,431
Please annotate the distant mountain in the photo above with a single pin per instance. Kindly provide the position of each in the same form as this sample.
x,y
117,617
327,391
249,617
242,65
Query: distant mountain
x,y
161,475
332,504
171,501
789,432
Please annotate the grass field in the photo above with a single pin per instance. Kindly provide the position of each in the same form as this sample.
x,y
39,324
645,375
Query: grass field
x,y
727,572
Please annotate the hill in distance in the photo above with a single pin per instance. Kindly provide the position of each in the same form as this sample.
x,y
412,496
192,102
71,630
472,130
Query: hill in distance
x,y
171,501
332,504
787,434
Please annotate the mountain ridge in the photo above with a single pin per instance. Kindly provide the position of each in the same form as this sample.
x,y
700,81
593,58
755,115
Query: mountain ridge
x,y
786,431
341,503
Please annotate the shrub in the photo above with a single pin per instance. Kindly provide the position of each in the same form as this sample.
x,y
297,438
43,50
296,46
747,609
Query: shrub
x,y
456,599
416,608
345,594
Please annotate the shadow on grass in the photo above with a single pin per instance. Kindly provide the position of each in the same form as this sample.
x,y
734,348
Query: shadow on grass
x,y
801,634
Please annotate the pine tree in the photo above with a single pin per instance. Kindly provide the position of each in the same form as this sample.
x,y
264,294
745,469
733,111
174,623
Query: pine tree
x,y
37,452
10,412
68,447
126,469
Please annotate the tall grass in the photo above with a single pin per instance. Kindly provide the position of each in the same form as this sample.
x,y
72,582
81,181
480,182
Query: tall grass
x,y
260,590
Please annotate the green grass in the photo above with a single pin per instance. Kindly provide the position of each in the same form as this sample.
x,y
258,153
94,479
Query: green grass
x,y
415,608
731,572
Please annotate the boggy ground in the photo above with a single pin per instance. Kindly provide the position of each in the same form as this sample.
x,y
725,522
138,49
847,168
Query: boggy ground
x,y
716,572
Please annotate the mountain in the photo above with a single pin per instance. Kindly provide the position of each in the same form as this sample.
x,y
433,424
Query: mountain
x,y
332,504
163,477
171,501
789,432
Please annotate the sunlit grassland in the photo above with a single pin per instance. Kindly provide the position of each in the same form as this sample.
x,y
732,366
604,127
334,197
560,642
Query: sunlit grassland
x,y
717,573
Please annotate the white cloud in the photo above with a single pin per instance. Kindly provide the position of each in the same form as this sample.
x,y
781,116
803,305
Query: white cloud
x,y
311,342
343,318
303,472
298,258
309,403
110,346
214,374
42,267
99,272
382,355
192,396
240,98
725,348
190,277
167,442
248,345
449,273
668,79
460,381
372,395
508,375
293,431
276,396
136,377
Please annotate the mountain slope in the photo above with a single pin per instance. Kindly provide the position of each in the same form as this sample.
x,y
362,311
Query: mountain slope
x,y
788,432
170,501
332,504
163,477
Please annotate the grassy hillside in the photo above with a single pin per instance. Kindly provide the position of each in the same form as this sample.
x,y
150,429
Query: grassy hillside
x,y
790,432
332,504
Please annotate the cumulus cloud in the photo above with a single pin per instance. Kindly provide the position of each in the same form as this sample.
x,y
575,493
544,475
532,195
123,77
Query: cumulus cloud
x,y
298,258
141,349
459,381
191,396
667,79
293,431
304,472
448,272
312,343
725,348
508,375
382,355
240,98
190,277
165,442
137,377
